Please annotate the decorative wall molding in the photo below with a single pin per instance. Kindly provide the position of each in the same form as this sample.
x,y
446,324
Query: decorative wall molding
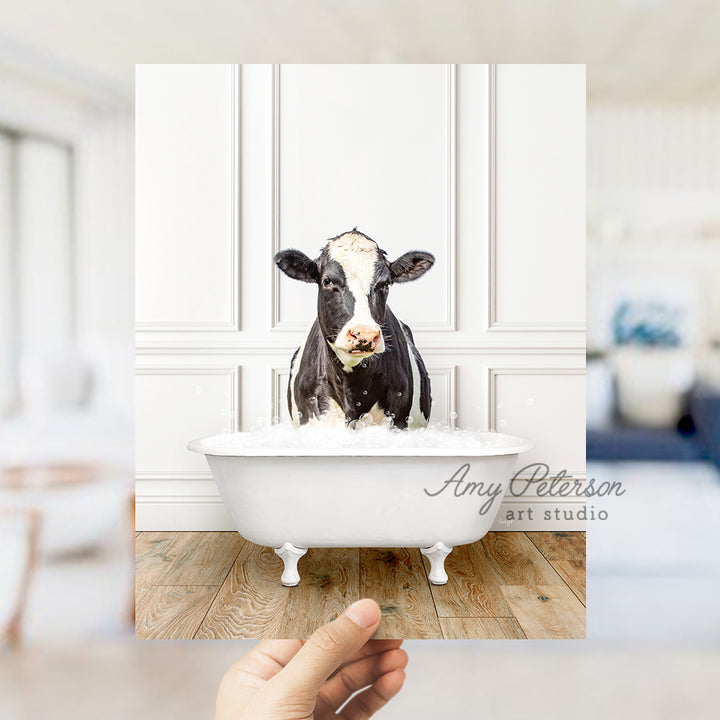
x,y
233,324
173,475
190,370
174,499
279,376
502,326
179,497
185,347
261,348
493,324
176,492
492,199
494,372
175,512
277,324
182,513
480,350
231,371
448,375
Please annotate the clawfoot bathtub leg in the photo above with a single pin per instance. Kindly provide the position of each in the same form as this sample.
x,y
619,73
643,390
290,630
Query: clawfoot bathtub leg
x,y
437,554
290,556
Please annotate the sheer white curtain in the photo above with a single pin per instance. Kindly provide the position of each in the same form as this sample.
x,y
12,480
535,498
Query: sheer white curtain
x,y
37,268
8,335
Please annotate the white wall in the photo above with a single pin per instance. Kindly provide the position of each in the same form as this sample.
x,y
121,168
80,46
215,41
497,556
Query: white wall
x,y
482,166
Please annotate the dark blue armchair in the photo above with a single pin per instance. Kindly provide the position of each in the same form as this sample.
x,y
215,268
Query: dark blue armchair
x,y
696,438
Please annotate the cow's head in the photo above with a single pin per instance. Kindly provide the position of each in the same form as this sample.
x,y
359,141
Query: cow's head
x,y
353,277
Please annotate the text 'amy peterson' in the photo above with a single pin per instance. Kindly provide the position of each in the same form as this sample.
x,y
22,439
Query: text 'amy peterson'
x,y
561,485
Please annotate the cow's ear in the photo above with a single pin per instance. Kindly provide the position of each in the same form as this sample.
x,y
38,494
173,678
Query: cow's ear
x,y
298,265
411,266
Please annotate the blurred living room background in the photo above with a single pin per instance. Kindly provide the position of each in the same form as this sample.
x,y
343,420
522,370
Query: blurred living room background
x,y
66,333
653,365
66,390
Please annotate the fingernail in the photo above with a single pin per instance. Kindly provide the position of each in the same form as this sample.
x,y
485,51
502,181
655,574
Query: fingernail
x,y
364,613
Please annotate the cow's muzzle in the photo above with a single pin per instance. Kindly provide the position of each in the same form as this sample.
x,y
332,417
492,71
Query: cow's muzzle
x,y
361,340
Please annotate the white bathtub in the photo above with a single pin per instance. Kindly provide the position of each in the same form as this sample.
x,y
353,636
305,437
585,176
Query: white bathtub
x,y
295,498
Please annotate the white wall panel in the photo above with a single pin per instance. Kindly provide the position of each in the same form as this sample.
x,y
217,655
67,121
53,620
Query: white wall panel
x,y
278,407
369,146
443,389
404,153
537,263
186,228
175,405
546,405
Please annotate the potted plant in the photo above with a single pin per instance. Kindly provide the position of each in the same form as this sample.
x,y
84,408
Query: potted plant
x,y
654,367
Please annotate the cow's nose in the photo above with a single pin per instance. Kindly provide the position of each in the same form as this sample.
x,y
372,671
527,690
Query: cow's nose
x,y
365,336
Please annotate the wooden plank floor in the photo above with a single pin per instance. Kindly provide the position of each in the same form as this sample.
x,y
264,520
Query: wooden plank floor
x,y
509,585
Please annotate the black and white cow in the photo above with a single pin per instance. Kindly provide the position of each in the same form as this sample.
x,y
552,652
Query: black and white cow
x,y
357,357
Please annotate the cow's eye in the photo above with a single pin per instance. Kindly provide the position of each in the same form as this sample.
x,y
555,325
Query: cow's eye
x,y
327,282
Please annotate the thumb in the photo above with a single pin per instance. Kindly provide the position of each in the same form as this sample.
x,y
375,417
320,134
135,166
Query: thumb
x,y
327,649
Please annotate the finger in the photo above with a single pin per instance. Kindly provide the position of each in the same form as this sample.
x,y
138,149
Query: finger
x,y
326,649
245,677
265,660
355,676
365,704
279,651
374,647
